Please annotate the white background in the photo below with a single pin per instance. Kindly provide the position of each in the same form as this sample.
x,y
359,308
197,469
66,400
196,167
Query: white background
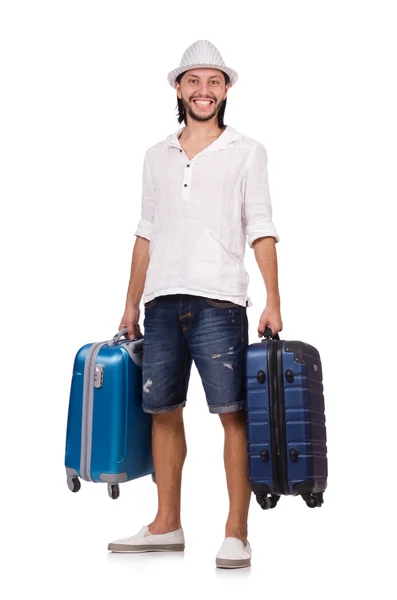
x,y
83,95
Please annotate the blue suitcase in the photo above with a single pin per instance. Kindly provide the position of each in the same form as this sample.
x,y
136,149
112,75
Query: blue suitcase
x,y
108,435
285,420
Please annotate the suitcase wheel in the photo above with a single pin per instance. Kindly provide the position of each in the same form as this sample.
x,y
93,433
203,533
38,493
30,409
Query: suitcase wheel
x,y
264,502
74,484
267,502
154,477
319,498
114,490
313,500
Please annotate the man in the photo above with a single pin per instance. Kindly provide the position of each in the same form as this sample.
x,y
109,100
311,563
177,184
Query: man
x,y
205,193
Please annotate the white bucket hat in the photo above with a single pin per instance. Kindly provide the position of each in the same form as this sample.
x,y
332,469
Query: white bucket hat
x,y
201,55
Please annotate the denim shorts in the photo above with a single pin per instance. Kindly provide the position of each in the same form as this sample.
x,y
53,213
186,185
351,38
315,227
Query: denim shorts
x,y
179,328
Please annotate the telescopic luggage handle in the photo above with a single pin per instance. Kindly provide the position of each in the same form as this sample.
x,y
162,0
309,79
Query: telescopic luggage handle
x,y
268,334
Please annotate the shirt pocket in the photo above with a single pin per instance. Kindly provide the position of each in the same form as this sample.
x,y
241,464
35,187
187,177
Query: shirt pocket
x,y
232,267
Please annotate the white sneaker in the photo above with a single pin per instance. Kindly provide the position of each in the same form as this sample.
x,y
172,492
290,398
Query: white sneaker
x,y
144,541
233,554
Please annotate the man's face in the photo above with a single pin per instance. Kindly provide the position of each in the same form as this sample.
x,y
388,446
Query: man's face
x,y
207,85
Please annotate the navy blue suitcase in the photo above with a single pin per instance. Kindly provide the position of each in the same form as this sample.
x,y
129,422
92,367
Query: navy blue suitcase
x,y
285,420
108,436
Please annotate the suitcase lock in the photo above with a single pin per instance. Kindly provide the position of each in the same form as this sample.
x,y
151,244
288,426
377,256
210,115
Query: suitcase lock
x,y
293,454
98,376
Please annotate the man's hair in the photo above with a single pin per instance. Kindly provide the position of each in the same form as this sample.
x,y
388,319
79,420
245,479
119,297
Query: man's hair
x,y
181,108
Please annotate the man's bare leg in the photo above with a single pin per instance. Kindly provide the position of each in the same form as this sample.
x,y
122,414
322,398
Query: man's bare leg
x,y
237,475
169,453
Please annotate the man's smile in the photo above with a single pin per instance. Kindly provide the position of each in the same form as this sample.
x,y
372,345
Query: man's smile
x,y
203,103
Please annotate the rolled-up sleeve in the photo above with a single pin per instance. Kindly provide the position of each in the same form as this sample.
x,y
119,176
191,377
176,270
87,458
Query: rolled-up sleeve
x,y
148,205
257,206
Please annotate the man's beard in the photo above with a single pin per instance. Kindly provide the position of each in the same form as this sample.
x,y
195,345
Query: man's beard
x,y
198,117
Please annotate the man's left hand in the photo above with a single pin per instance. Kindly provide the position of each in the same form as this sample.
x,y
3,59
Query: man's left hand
x,y
271,317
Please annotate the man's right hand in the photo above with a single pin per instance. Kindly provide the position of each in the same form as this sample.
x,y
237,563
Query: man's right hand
x,y
130,320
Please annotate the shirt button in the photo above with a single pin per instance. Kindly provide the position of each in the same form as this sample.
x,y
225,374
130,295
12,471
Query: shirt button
x,y
185,184
180,150
188,165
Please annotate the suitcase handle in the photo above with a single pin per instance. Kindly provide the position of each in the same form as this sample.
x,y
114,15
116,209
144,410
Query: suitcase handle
x,y
268,334
119,334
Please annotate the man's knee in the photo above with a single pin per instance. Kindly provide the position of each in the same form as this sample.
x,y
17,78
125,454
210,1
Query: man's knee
x,y
170,416
233,419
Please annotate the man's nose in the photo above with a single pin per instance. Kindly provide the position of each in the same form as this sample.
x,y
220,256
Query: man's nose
x,y
204,89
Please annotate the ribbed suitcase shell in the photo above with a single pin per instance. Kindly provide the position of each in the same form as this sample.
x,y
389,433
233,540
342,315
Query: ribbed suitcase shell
x,y
119,448
285,407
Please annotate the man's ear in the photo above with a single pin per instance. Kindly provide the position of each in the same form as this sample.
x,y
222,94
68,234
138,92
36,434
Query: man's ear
x,y
227,89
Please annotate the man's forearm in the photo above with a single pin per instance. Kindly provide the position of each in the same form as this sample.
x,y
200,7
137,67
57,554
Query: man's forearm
x,y
266,257
139,265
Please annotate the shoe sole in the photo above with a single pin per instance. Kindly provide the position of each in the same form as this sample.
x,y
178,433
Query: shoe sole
x,y
151,548
228,563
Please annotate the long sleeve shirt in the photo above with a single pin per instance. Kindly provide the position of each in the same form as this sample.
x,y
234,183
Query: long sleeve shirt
x,y
199,214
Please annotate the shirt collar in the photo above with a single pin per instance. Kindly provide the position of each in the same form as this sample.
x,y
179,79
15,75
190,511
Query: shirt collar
x,y
230,134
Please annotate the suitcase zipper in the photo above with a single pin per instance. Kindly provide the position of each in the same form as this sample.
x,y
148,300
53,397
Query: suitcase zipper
x,y
277,417
274,417
282,469
88,410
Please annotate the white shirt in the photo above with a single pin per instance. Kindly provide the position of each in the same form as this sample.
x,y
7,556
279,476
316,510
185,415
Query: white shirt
x,y
198,215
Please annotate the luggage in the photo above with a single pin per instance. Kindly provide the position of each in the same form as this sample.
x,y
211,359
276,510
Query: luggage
x,y
108,435
285,420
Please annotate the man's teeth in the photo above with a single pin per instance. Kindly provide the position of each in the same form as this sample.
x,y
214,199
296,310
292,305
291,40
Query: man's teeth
x,y
202,102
